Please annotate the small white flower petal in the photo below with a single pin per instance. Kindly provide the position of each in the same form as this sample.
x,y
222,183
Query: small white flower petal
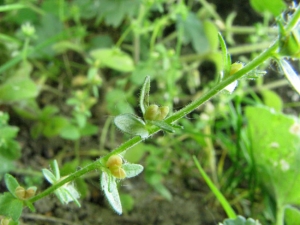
x,y
109,186
55,169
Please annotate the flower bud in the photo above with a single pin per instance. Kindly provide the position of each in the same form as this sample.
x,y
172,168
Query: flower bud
x,y
235,67
30,192
20,192
164,110
118,172
5,221
114,161
151,112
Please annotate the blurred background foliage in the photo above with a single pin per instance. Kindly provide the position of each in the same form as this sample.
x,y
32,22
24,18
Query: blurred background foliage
x,y
68,67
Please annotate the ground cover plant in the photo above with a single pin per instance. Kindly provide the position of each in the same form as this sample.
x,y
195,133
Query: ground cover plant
x,y
185,94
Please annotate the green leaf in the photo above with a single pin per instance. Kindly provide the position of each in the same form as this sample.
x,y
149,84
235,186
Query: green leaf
x,y
211,32
116,101
225,56
55,169
132,170
6,165
10,206
109,186
10,149
115,11
291,216
50,25
16,89
276,151
114,59
88,130
30,206
70,132
273,6
163,191
144,97
272,100
127,202
135,153
132,125
8,132
53,126
193,32
11,183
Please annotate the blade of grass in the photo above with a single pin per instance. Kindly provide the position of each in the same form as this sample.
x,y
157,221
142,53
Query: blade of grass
x,y
225,204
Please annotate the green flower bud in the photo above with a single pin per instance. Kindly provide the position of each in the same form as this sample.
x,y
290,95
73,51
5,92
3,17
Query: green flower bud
x,y
235,67
151,112
20,192
164,110
23,194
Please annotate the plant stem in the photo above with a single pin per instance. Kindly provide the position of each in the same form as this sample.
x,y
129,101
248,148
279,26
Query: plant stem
x,y
280,214
25,49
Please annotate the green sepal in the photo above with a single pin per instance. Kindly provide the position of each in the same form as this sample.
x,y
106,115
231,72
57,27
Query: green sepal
x,y
226,57
290,45
132,170
30,206
176,126
163,125
144,97
131,124
11,184
55,169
